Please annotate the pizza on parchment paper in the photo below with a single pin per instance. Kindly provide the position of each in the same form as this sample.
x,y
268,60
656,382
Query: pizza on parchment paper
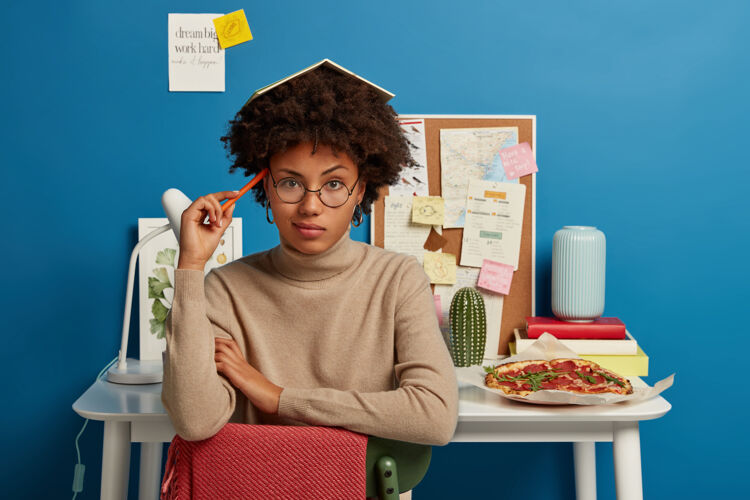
x,y
521,378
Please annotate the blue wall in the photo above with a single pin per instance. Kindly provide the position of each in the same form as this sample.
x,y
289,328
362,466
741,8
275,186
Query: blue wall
x,y
642,116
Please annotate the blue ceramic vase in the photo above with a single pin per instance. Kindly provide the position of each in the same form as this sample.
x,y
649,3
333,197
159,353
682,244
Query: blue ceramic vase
x,y
578,264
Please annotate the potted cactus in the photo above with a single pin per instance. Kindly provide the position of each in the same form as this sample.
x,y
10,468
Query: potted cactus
x,y
468,327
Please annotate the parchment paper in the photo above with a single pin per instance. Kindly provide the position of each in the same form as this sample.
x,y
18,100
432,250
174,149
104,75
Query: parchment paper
x,y
546,348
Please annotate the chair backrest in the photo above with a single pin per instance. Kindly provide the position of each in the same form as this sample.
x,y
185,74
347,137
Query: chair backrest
x,y
394,466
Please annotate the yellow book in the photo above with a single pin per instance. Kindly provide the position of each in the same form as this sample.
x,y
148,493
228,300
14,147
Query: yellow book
x,y
635,365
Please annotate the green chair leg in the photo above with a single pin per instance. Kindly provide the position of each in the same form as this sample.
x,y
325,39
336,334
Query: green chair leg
x,y
387,475
394,466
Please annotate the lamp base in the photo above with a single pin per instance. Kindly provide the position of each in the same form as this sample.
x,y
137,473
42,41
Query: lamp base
x,y
137,372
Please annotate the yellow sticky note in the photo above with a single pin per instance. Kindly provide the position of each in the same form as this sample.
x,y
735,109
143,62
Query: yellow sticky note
x,y
428,210
440,267
232,29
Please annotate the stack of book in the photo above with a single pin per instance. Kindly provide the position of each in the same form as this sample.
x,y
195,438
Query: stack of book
x,y
605,341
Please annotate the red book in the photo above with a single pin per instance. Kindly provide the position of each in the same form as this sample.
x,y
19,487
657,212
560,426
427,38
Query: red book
x,y
600,328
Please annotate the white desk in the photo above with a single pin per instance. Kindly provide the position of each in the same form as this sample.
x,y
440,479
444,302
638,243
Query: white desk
x,y
134,414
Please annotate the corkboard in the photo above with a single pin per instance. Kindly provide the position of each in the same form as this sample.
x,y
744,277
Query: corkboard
x,y
520,302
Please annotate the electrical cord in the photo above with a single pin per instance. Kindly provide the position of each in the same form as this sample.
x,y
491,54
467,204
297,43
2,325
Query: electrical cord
x,y
79,467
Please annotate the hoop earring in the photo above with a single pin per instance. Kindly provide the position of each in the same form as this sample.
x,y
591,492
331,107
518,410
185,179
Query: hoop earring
x,y
268,203
357,216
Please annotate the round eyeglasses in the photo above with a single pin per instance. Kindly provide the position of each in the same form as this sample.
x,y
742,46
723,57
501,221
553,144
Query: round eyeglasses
x,y
333,193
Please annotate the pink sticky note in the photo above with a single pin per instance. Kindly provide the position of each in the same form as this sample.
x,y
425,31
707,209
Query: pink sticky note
x,y
438,309
495,276
518,161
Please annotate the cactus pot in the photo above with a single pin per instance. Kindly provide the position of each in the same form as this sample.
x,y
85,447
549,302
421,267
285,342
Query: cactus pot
x,y
468,327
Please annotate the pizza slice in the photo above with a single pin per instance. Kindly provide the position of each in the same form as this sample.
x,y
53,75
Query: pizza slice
x,y
580,376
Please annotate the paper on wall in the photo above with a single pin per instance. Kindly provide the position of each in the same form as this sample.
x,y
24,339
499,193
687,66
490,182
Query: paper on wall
x,y
440,267
401,235
494,219
427,210
413,181
232,29
470,153
493,306
495,276
196,61
518,161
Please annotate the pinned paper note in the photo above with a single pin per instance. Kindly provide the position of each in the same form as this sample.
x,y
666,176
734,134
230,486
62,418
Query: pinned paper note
x,y
495,276
518,161
440,267
438,309
435,241
494,218
400,234
232,29
428,210
413,179
196,60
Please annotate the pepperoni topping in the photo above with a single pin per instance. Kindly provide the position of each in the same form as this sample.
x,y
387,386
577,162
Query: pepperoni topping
x,y
564,381
567,366
535,368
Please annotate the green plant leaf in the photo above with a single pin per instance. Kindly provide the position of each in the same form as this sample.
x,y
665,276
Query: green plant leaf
x,y
161,274
157,328
156,288
159,310
166,257
589,378
611,379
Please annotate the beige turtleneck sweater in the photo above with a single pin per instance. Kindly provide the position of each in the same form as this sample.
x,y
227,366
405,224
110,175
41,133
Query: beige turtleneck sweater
x,y
351,335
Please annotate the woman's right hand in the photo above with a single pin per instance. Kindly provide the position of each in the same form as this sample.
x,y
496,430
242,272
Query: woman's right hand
x,y
198,241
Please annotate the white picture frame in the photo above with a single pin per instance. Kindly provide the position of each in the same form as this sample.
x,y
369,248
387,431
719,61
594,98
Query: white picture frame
x,y
157,261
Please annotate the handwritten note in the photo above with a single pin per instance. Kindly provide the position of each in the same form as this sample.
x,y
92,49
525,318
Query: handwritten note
x,y
232,29
440,267
401,235
518,161
428,210
196,61
495,276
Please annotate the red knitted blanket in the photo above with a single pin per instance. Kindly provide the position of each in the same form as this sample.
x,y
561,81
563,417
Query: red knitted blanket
x,y
267,462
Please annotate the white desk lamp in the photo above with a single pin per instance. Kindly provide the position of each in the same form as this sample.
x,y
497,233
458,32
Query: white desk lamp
x,y
136,371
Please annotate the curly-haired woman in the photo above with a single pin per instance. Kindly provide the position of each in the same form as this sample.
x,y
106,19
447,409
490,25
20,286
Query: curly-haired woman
x,y
321,329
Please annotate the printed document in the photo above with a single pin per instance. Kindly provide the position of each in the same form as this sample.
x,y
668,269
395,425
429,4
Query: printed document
x,y
470,153
413,180
494,218
196,60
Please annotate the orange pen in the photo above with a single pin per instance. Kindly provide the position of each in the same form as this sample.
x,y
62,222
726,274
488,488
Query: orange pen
x,y
258,177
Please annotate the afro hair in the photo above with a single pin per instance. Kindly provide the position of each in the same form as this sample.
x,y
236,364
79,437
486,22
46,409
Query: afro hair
x,y
325,107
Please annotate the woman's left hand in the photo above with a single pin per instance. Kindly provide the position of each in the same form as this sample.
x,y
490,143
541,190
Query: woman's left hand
x,y
230,362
